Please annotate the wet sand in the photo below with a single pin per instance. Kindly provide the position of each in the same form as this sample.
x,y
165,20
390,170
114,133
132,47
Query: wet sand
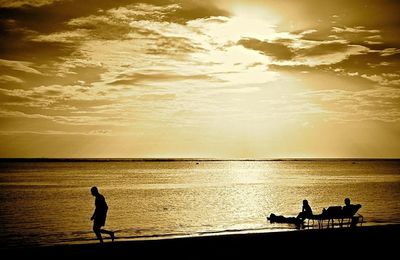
x,y
317,244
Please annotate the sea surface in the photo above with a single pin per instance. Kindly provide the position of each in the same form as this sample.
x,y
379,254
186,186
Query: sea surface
x,y
46,202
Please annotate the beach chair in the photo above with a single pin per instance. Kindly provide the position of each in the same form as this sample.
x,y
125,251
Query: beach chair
x,y
350,214
345,216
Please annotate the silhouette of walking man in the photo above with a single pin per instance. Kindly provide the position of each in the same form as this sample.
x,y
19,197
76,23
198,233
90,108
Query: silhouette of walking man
x,y
100,215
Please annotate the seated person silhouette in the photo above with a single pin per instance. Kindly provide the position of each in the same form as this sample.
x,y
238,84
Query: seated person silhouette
x,y
349,210
306,211
282,219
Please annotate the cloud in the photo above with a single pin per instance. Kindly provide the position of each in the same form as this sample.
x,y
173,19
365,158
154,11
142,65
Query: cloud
x,y
10,79
353,36
117,23
324,48
357,29
139,28
305,52
97,132
307,32
375,104
42,32
171,46
157,97
23,66
373,42
149,56
277,50
55,96
384,79
100,132
62,37
363,64
24,3
8,113
370,63
161,46
389,51
68,119
143,78
374,37
144,11
320,56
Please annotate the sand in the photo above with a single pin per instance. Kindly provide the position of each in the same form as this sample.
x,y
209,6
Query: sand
x,y
371,241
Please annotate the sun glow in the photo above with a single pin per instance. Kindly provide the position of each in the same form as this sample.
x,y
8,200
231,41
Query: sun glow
x,y
224,78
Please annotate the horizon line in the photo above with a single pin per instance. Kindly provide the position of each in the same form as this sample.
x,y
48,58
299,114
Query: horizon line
x,y
189,159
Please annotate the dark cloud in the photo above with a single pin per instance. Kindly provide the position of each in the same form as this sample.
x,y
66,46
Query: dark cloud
x,y
364,70
173,46
37,52
54,17
142,78
78,75
323,49
280,50
34,33
106,31
16,45
354,36
293,68
372,62
277,50
194,9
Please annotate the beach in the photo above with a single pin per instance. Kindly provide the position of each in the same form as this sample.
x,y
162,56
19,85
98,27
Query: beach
x,y
315,243
186,129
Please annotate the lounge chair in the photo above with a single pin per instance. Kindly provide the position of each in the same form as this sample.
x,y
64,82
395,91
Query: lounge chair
x,y
346,215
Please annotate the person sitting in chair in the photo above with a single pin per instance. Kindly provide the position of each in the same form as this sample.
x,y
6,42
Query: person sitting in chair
x,y
306,211
351,209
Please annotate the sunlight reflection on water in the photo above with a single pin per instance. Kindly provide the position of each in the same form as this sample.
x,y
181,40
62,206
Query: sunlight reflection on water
x,y
47,202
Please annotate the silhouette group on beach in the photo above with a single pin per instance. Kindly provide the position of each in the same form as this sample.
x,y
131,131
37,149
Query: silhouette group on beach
x,y
347,211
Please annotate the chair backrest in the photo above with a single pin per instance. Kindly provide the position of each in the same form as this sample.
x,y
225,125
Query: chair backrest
x,y
351,209
334,211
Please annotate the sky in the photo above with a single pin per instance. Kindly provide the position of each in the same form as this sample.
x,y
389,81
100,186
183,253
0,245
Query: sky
x,y
256,79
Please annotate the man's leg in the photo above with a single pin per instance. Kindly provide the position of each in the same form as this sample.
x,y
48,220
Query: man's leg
x,y
97,231
110,233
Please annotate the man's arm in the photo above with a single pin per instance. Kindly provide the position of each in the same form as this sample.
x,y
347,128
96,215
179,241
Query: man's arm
x,y
95,211
94,215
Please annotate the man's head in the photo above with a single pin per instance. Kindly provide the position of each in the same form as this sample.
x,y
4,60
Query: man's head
x,y
347,201
94,191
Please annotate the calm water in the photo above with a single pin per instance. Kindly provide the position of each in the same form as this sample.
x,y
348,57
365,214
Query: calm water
x,y
44,203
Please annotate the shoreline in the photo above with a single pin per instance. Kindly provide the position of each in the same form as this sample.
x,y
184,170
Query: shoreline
x,y
380,239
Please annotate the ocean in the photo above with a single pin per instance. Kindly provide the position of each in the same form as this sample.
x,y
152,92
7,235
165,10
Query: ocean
x,y
48,202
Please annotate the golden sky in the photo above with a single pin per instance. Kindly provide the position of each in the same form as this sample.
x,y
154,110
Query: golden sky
x,y
211,79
